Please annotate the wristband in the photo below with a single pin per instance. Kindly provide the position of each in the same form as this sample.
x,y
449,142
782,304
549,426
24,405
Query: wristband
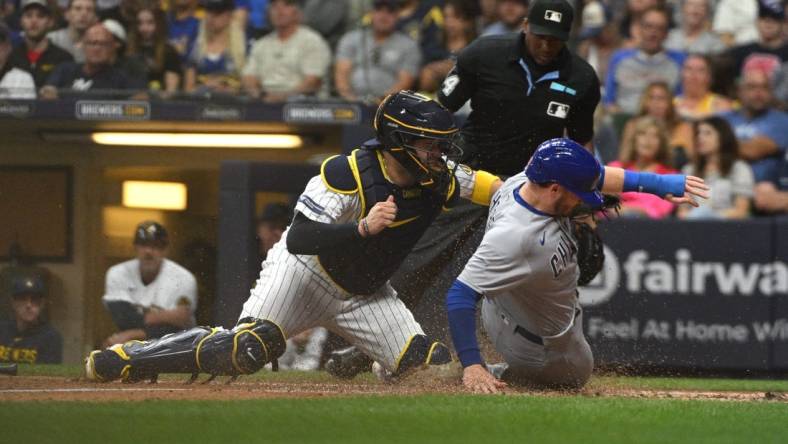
x,y
658,184
365,227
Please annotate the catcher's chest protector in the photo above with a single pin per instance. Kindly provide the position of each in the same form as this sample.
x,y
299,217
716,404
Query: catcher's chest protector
x,y
364,266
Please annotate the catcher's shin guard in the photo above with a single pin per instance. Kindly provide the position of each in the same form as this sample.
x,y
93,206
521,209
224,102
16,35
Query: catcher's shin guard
x,y
243,350
422,351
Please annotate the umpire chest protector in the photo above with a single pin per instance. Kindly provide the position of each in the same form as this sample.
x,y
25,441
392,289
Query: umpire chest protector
x,y
363,267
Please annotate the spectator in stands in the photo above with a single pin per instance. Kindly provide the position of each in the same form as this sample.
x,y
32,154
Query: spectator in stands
x,y
694,35
109,9
734,21
422,20
717,162
329,19
29,338
148,42
133,67
629,27
149,296
771,193
459,31
97,74
376,60
80,15
631,70
36,54
759,127
511,14
771,49
183,26
15,83
598,36
657,102
219,54
696,100
291,61
648,152
488,14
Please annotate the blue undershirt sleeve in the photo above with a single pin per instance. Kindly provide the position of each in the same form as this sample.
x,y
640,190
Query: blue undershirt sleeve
x,y
461,310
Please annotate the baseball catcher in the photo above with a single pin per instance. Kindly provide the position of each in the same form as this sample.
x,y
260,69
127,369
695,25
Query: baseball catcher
x,y
354,225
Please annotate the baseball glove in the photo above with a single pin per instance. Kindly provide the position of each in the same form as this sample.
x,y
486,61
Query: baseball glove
x,y
590,252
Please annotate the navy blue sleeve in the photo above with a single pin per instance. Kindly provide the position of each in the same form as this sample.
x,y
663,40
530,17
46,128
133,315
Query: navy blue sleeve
x,y
461,310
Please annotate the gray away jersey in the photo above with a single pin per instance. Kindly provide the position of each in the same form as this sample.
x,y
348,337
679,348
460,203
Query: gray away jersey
x,y
526,264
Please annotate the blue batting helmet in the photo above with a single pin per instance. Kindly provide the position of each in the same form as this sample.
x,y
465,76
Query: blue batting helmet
x,y
567,163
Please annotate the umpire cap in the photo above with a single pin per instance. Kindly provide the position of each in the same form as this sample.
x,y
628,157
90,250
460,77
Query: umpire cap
x,y
151,233
551,17
28,285
567,163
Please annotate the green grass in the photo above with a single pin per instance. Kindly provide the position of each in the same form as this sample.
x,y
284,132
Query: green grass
x,y
424,418
449,419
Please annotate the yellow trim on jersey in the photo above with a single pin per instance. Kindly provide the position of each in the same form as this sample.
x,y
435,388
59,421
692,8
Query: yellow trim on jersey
x,y
434,15
429,353
482,187
382,162
235,350
199,345
357,176
325,181
118,349
402,353
124,374
403,222
426,130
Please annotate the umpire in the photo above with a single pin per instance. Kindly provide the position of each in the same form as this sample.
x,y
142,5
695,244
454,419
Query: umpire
x,y
524,88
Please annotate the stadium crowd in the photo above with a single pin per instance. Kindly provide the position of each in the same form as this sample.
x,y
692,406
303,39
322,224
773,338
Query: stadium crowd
x,y
697,86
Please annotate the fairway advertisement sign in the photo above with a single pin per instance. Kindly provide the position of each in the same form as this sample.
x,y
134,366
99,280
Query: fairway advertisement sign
x,y
688,294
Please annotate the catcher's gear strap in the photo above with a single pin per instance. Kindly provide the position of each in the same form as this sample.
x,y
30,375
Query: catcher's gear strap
x,y
338,176
419,351
482,187
590,253
243,350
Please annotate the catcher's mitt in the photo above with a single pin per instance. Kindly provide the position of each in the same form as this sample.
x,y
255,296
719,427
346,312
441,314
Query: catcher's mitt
x,y
590,253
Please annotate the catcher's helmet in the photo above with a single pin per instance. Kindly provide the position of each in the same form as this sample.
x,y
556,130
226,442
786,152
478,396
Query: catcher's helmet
x,y
405,117
151,233
567,163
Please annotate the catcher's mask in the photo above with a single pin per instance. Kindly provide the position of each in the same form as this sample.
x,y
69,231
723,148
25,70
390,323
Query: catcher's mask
x,y
409,124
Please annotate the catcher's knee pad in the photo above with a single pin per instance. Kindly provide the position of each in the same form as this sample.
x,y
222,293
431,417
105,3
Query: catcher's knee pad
x,y
421,350
243,350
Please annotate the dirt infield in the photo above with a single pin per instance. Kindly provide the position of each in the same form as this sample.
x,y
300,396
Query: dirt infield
x,y
39,388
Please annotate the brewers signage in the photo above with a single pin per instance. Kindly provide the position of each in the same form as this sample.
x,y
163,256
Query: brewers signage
x,y
112,110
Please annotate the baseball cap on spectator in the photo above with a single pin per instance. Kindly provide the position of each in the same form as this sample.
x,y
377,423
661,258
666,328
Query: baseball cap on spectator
x,y
773,9
392,5
116,29
28,285
551,18
593,20
219,5
38,3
